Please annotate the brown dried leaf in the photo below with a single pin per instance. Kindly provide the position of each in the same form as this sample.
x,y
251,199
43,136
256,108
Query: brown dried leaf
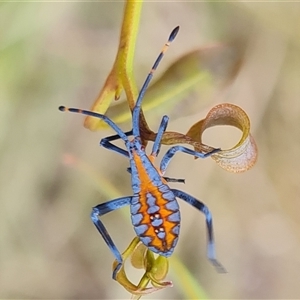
x,y
243,155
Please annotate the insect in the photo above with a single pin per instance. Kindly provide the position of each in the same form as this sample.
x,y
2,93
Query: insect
x,y
155,213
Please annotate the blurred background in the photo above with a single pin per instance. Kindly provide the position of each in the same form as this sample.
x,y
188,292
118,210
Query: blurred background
x,y
52,170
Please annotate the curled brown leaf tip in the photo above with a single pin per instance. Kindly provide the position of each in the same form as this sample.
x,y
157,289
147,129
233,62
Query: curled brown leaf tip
x,y
243,155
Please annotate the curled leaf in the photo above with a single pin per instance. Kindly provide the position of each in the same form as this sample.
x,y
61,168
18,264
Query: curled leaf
x,y
156,270
138,256
243,155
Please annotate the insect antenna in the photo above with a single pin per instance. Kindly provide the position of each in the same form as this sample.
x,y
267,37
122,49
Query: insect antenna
x,y
108,121
137,107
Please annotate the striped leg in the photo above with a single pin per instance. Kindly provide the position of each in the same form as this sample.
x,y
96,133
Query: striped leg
x,y
101,210
204,209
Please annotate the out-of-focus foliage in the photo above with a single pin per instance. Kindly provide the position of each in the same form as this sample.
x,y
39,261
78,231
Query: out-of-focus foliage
x,y
61,53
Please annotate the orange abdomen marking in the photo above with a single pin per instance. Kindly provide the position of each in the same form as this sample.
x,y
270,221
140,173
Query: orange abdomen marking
x,y
154,209
156,219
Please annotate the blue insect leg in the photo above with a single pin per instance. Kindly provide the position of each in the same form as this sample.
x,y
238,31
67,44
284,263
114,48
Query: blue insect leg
x,y
106,143
157,144
170,153
161,130
101,210
204,209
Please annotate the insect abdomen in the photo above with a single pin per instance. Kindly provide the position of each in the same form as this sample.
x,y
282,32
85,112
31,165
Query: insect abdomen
x,y
156,219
